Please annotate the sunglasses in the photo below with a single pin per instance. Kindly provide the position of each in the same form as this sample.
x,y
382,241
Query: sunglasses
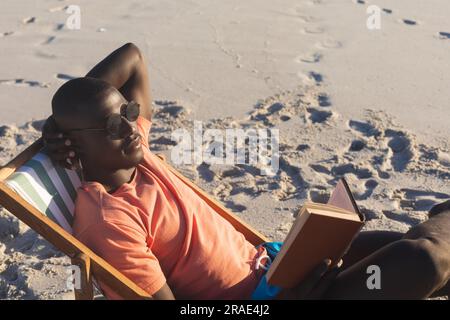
x,y
129,111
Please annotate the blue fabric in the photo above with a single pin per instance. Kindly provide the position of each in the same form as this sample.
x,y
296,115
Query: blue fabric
x,y
265,291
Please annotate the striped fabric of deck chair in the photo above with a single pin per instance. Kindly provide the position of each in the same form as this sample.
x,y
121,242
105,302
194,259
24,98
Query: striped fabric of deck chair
x,y
48,187
42,195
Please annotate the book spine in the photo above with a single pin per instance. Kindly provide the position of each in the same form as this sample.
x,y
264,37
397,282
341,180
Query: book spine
x,y
350,244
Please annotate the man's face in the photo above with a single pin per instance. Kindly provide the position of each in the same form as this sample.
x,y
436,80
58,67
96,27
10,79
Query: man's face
x,y
98,149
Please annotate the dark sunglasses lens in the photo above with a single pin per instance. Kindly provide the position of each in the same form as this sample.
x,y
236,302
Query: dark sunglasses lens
x,y
113,125
132,111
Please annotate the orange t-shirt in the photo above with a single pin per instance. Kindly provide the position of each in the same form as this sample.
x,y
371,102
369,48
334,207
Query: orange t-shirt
x,y
155,229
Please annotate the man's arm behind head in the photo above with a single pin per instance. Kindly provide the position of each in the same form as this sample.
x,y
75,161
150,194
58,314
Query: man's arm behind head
x,y
125,69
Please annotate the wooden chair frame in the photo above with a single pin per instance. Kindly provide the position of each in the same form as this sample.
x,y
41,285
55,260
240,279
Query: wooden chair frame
x,y
81,256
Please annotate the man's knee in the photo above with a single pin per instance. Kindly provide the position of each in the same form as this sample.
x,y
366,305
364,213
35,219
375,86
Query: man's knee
x,y
431,257
439,208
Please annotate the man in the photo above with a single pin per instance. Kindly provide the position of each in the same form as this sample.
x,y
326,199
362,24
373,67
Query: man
x,y
139,217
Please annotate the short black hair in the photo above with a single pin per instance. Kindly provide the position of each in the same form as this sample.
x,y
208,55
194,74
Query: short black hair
x,y
76,99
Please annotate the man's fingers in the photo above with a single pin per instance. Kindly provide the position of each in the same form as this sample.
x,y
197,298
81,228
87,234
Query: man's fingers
x,y
321,268
66,165
324,284
63,155
69,163
55,144
306,286
58,146
62,145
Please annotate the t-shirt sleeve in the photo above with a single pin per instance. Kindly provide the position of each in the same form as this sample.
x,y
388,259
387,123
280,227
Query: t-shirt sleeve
x,y
143,126
125,248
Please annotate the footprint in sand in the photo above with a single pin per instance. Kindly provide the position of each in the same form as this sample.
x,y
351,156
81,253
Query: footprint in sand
x,y
63,76
169,110
409,22
306,78
303,147
205,172
45,55
11,273
318,196
365,190
8,226
368,213
329,44
275,108
5,34
49,40
380,163
29,20
313,30
398,143
271,113
402,149
419,200
233,172
343,169
162,143
320,169
317,77
319,116
364,128
357,145
411,218
324,100
247,187
24,83
306,19
312,2
444,159
444,35
415,194
56,9
309,58
235,207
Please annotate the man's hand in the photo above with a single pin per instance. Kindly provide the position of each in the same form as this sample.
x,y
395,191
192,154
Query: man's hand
x,y
59,148
315,284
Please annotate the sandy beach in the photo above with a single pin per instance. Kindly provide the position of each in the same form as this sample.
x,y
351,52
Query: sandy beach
x,y
372,105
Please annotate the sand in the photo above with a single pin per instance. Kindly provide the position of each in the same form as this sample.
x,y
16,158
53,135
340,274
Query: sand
x,y
367,104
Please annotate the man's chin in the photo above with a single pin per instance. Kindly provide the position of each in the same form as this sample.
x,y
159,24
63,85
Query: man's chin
x,y
135,158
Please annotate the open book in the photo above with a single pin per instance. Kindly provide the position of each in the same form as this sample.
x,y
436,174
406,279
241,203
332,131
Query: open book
x,y
320,231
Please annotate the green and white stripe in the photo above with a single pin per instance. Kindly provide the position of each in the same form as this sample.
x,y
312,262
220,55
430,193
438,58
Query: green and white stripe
x,y
48,187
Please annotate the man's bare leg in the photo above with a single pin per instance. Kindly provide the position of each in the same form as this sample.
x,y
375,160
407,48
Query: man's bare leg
x,y
412,267
366,243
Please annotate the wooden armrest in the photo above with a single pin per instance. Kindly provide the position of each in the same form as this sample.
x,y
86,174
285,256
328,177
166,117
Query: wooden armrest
x,y
86,289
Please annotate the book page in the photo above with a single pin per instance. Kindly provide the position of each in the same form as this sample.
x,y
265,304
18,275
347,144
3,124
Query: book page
x,y
340,198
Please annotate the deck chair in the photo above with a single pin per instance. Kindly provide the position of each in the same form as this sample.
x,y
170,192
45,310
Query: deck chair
x,y
42,194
